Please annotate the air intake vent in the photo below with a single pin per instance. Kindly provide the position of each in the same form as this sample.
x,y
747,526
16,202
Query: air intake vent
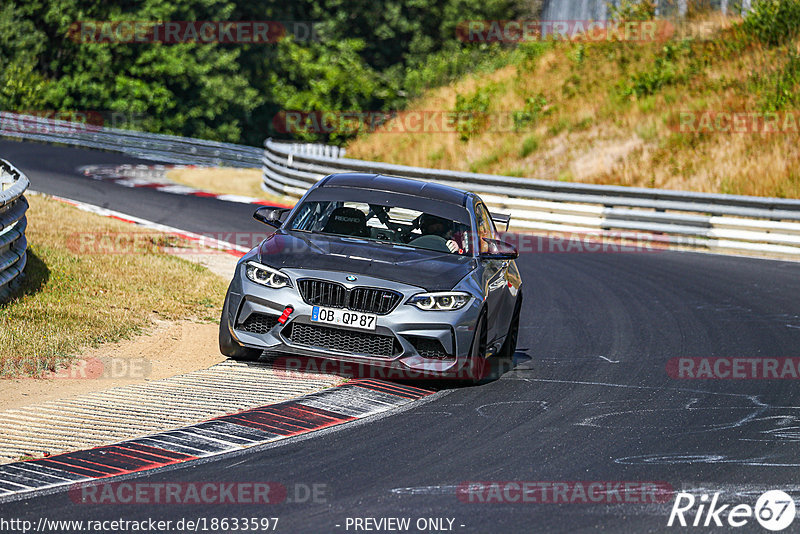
x,y
429,348
348,341
368,300
259,323
321,293
361,299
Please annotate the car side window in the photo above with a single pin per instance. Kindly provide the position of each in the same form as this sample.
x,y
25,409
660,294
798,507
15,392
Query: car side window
x,y
485,226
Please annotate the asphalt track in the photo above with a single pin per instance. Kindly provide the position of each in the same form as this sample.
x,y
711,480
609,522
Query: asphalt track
x,y
589,398
51,170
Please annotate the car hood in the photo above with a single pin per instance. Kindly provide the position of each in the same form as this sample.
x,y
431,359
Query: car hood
x,y
430,270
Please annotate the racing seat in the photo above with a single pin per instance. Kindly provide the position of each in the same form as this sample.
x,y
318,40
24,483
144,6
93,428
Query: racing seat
x,y
347,221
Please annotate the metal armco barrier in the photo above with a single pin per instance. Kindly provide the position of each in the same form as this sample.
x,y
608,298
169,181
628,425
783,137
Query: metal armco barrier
x,y
167,148
760,225
13,244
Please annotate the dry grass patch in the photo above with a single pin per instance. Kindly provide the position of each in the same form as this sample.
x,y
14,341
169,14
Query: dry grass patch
x,y
226,181
607,113
74,298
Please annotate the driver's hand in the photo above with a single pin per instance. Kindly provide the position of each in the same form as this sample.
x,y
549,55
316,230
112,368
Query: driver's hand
x,y
452,246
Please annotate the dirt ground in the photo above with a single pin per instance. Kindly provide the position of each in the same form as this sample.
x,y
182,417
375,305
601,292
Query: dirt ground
x,y
167,349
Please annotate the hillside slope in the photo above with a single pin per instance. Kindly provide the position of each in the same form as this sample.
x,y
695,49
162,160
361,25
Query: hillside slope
x,y
714,108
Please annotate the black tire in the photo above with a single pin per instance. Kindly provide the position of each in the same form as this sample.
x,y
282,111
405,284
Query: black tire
x,y
505,358
476,369
230,347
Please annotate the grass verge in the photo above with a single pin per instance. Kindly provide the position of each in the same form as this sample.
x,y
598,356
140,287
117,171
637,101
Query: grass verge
x,y
611,112
77,297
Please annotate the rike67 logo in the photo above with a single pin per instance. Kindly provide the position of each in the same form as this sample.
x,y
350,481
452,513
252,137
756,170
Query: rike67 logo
x,y
774,510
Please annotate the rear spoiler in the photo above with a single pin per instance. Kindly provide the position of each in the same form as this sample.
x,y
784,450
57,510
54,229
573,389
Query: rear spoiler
x,y
501,218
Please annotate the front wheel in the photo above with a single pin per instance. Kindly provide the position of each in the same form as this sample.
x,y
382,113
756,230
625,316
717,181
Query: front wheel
x,y
505,358
475,370
229,346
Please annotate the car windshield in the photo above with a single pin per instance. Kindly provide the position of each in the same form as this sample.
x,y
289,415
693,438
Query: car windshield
x,y
387,224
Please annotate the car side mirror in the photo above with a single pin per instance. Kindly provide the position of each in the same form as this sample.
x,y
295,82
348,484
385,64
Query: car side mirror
x,y
499,250
271,216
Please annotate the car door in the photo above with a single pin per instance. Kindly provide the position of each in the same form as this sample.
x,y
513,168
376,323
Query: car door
x,y
495,277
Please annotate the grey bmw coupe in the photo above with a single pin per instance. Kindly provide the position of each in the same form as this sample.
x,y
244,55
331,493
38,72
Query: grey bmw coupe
x,y
388,272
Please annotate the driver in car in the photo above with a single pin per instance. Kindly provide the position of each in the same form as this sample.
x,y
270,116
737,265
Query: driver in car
x,y
431,225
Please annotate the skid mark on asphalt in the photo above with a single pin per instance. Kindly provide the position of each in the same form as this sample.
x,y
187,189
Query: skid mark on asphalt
x,y
754,398
753,420
483,409
630,418
228,433
695,459
529,364
449,489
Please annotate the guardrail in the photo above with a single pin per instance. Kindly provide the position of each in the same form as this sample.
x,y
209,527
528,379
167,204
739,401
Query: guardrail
x,y
166,148
13,244
762,225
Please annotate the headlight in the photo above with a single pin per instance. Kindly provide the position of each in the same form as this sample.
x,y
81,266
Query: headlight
x,y
266,276
448,301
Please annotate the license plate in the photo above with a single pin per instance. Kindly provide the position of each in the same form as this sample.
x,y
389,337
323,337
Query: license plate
x,y
351,319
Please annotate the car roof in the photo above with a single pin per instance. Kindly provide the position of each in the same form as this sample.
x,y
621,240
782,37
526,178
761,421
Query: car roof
x,y
395,184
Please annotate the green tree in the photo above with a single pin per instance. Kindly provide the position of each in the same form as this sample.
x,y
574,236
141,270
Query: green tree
x,y
371,55
185,89
22,87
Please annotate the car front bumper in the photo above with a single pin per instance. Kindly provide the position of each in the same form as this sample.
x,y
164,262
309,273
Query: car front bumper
x,y
411,341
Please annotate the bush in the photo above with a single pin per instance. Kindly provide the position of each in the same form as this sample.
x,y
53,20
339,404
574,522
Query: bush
x,y
663,73
773,22
471,113
529,146
443,67
779,90
534,109
633,10
527,53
